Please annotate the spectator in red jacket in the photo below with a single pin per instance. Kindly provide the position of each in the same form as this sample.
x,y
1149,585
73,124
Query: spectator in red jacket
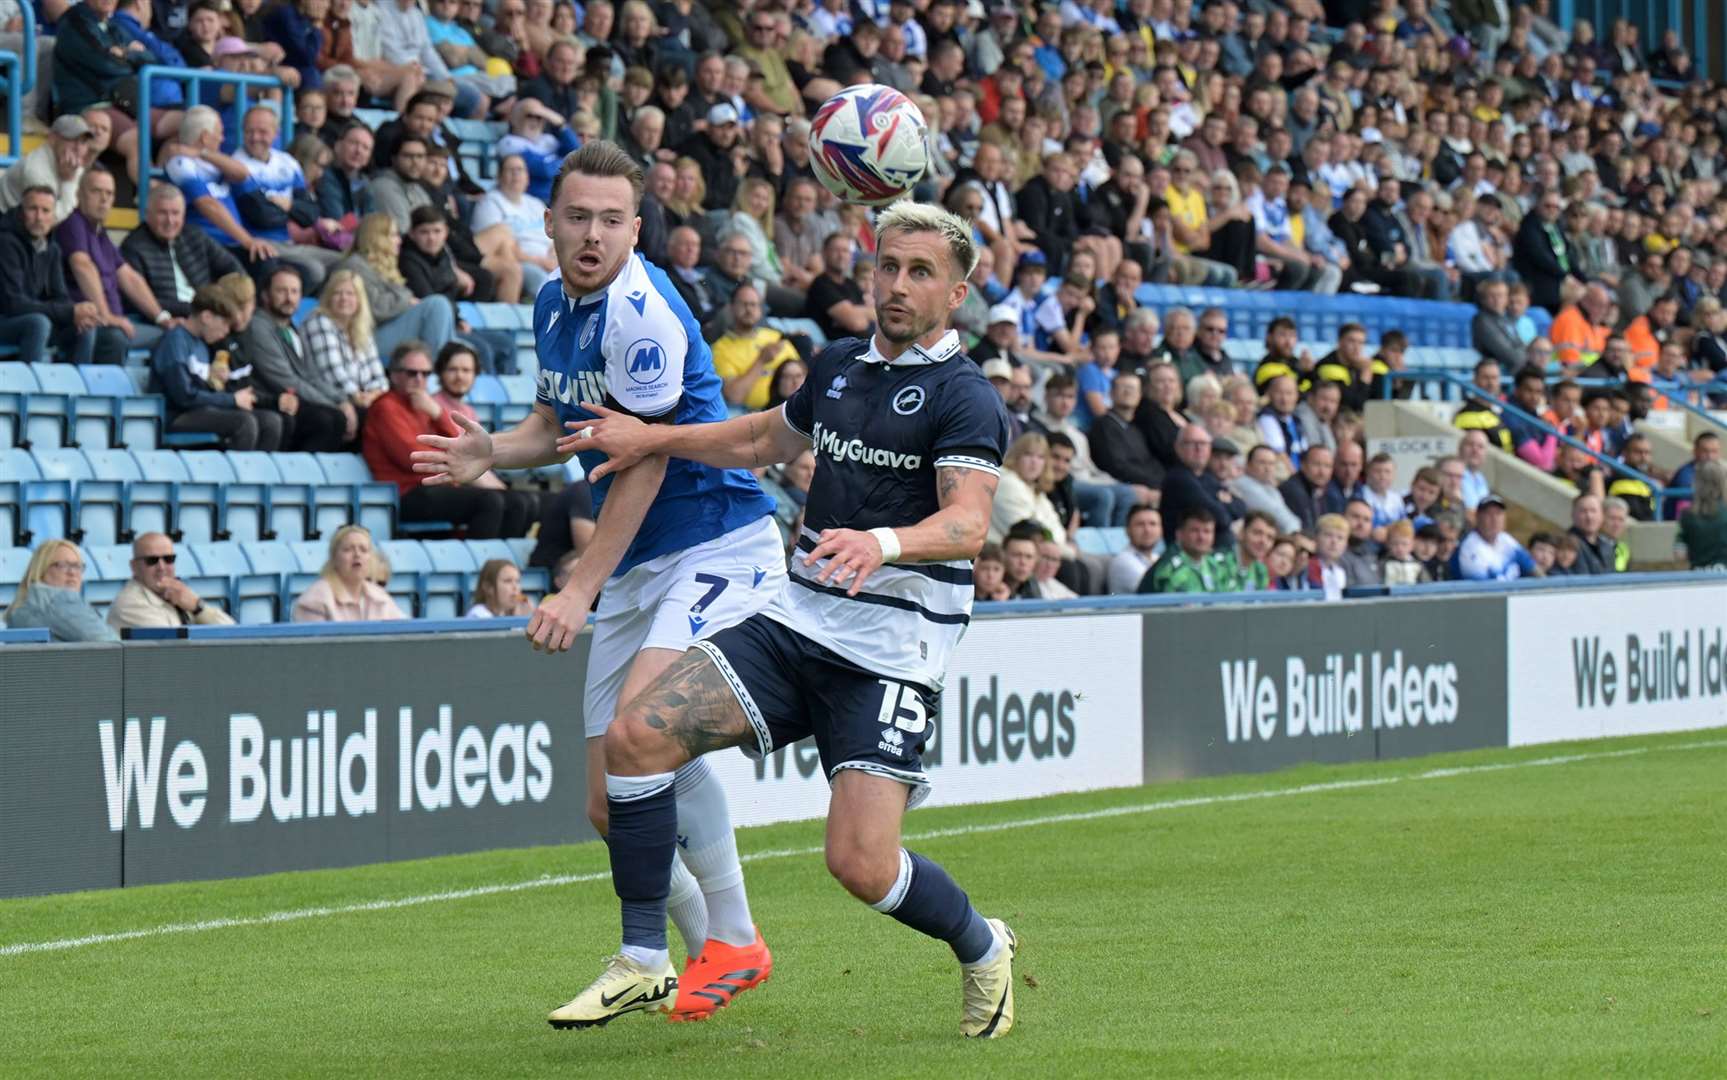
x,y
393,424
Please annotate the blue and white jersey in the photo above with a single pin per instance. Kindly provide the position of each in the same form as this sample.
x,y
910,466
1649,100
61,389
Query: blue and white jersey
x,y
1502,560
880,431
635,346
280,175
197,178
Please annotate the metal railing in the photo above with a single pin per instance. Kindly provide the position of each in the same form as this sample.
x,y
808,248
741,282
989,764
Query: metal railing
x,y
192,79
1454,381
20,80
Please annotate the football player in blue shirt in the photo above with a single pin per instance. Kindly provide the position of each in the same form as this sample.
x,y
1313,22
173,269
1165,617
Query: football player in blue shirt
x,y
908,437
679,551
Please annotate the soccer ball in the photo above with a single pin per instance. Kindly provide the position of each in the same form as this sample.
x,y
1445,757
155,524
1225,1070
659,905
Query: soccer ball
x,y
868,144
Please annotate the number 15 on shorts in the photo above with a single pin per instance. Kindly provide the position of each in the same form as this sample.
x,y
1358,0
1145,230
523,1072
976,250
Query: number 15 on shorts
x,y
902,707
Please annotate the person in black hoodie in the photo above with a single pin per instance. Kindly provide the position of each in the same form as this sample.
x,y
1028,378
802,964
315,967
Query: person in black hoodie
x,y
1048,204
36,308
430,268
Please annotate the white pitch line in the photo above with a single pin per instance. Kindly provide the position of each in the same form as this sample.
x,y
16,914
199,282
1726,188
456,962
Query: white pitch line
x,y
298,914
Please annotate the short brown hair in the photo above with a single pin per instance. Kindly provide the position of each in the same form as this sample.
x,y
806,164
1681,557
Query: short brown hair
x,y
598,157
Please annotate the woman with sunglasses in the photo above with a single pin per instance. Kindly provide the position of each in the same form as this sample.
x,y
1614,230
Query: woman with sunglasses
x,y
49,597
156,596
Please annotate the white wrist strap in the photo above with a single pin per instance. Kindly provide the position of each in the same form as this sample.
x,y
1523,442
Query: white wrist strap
x,y
889,542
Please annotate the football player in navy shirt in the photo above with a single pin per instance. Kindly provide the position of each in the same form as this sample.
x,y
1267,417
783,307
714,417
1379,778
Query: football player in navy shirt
x,y
908,437
680,549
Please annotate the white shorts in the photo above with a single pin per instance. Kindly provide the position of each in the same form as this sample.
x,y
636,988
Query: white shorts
x,y
676,600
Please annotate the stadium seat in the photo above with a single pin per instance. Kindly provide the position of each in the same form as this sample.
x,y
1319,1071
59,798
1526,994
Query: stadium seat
x,y
14,561
510,413
520,548
236,506
484,550
446,586
106,380
288,506
105,502
58,379
151,498
222,565
11,512
109,561
11,417
373,504
519,389
140,376
46,420
100,593
309,555
410,574
53,503
17,378
536,582
488,390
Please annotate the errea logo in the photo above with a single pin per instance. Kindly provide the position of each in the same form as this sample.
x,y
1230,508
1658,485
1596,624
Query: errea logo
x,y
892,742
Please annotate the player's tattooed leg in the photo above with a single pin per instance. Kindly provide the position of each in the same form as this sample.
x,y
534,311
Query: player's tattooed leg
x,y
690,705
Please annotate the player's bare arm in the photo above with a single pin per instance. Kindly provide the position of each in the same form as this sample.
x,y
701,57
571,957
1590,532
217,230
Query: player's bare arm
x,y
561,616
752,441
469,456
956,531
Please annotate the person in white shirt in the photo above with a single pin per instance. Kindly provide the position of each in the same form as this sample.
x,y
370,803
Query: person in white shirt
x,y
498,593
155,596
1144,547
1490,553
1382,494
525,215
57,164
282,181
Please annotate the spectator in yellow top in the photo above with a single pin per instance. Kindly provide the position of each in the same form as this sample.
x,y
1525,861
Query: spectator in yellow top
x,y
1186,198
776,93
749,354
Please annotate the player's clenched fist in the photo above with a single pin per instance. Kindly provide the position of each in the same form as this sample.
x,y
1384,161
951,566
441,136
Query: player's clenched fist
x,y
558,619
853,556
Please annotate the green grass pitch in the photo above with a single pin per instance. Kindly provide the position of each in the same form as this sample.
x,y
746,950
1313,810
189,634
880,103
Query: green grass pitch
x,y
1532,918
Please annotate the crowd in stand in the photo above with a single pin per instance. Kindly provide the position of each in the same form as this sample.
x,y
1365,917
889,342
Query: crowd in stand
x,y
1467,150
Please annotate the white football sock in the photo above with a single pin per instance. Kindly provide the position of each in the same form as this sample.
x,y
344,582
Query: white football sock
x,y
688,909
709,849
652,959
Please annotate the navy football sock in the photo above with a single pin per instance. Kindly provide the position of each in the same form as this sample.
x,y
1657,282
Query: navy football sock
x,y
926,899
643,839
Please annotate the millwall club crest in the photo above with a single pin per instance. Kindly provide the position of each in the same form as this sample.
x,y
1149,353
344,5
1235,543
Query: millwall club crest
x,y
908,401
838,387
587,337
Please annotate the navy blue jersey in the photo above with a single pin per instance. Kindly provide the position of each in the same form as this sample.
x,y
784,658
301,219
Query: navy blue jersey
x,y
880,430
634,345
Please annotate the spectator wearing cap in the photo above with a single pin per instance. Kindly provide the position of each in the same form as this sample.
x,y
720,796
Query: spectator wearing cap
x,y
205,382
1191,565
36,308
1186,485
711,149
1001,336
97,272
392,428
58,164
156,596
50,597
1489,553
1595,553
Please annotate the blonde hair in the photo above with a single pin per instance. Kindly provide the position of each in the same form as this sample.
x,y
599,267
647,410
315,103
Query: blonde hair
x,y
371,243
914,217
1029,443
238,289
1336,523
38,567
328,573
359,328
700,193
740,205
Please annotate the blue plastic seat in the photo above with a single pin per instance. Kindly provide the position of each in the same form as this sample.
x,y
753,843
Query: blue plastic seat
x,y
483,551
58,378
105,501
519,389
46,420
373,504
18,378
446,585
110,561
11,512
106,380
520,548
488,390
309,555
271,557
287,506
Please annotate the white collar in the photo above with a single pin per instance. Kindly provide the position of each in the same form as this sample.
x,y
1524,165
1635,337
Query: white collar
x,y
945,349
571,303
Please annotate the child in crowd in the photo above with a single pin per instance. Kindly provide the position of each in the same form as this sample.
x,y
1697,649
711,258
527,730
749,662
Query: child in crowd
x,y
1398,565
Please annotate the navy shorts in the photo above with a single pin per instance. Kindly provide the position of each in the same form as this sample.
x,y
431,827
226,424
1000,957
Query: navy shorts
x,y
792,687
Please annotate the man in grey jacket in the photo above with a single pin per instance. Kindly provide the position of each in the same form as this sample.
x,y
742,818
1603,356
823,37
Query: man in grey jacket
x,y
282,365
1492,331
1257,489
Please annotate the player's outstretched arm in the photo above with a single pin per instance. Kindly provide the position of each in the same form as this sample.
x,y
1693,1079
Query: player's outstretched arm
x,y
752,441
464,459
956,531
